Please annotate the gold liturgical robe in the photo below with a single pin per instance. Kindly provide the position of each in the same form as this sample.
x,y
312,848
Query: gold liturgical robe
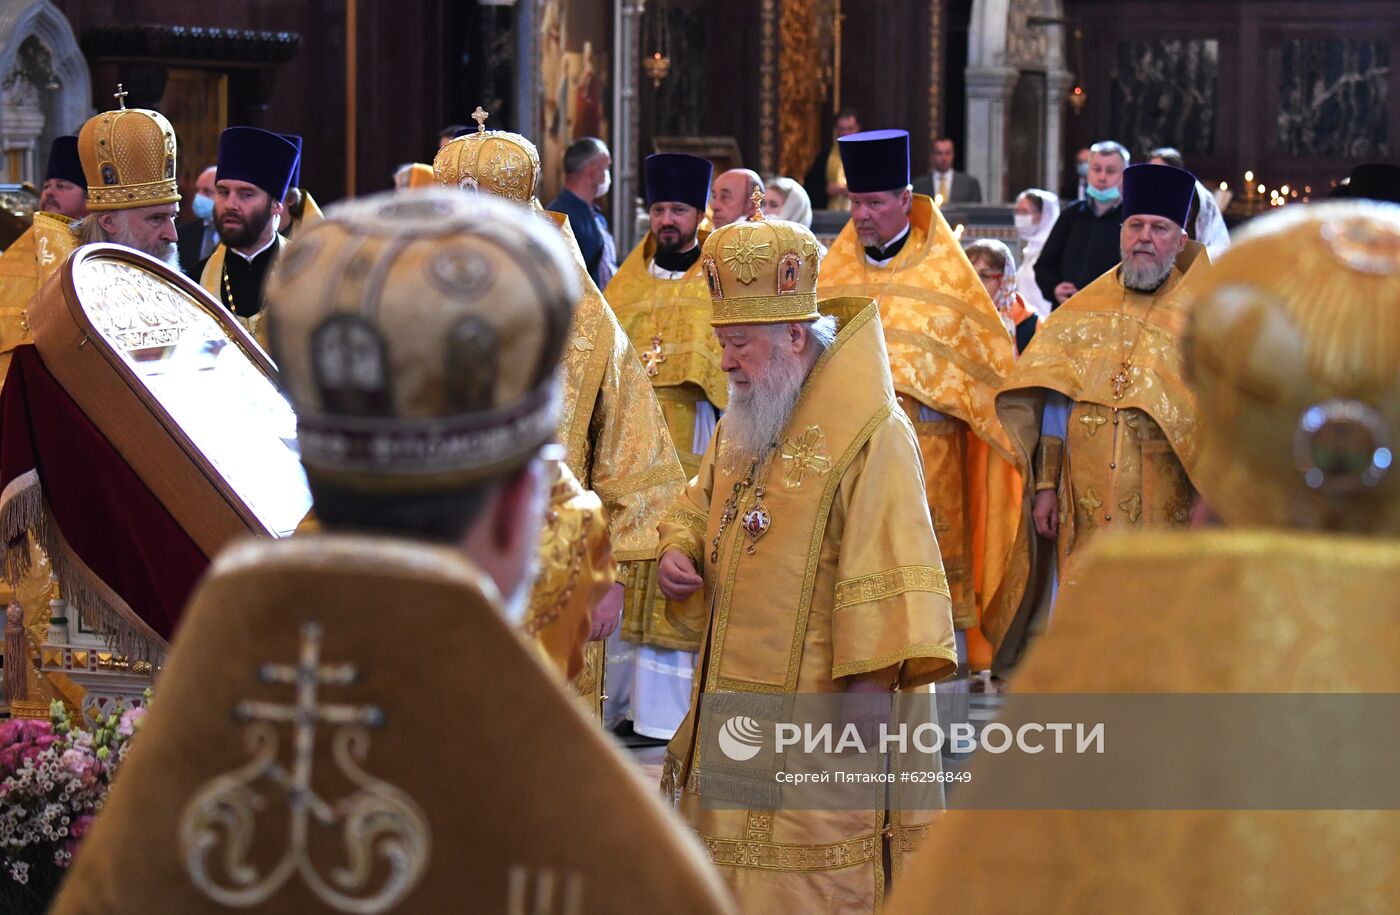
x,y
1232,611
575,570
615,436
668,322
846,582
1125,464
949,352
24,266
416,769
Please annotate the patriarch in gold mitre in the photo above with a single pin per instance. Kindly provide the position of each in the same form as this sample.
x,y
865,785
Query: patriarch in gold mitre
x,y
807,535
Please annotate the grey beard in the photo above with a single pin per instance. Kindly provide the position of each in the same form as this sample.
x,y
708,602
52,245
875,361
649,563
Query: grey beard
x,y
167,253
1147,278
756,416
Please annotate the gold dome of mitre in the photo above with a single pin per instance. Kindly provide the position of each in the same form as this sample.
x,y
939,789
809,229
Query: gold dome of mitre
x,y
128,158
418,334
495,161
1294,350
761,271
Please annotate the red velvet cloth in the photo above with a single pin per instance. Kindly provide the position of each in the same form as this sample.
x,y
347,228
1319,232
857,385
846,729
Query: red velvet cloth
x,y
112,522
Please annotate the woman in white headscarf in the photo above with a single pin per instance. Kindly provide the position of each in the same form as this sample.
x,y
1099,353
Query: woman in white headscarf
x,y
788,200
1036,212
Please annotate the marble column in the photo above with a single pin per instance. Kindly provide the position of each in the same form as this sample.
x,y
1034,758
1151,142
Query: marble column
x,y
1057,83
626,123
988,100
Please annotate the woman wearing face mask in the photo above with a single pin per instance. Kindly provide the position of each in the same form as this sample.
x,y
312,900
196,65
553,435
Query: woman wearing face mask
x,y
1036,213
1083,245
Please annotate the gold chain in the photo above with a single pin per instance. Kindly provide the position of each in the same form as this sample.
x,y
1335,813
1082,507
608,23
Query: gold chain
x,y
731,505
1123,378
228,290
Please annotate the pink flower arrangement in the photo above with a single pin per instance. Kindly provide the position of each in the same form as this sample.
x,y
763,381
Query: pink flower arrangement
x,y
54,777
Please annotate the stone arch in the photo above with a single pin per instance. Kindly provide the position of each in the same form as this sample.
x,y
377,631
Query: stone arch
x,y
66,107
1003,45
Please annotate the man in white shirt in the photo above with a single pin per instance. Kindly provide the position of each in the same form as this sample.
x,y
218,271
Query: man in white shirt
x,y
945,184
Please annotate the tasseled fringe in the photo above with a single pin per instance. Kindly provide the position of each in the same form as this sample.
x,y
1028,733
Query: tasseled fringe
x,y
748,789
16,655
671,782
23,511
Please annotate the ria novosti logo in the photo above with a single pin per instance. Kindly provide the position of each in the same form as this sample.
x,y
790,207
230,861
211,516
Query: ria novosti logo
x,y
741,738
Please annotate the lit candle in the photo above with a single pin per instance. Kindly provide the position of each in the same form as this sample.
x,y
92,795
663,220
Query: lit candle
x,y
1249,177
1283,191
1261,188
1224,185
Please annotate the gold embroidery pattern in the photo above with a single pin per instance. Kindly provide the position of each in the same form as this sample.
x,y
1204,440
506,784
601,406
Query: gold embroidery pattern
x,y
1093,420
131,193
883,585
638,482
1090,503
377,821
766,309
742,256
1133,506
776,856
804,457
759,827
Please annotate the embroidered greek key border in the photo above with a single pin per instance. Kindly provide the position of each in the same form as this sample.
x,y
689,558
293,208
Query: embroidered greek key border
x,y
775,856
882,585
615,490
682,513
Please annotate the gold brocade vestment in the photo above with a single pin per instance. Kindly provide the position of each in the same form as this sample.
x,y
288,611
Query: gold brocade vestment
x,y
24,266
949,351
251,793
615,436
825,596
1126,461
212,278
1245,611
668,321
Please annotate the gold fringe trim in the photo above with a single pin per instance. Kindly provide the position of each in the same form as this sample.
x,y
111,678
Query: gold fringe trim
x,y
23,510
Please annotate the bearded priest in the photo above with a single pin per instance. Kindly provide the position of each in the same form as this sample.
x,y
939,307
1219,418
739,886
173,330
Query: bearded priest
x,y
807,529
1098,404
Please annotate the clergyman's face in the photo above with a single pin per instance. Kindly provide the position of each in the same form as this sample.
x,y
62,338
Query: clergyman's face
x,y
879,215
241,212
846,126
673,225
1149,245
63,197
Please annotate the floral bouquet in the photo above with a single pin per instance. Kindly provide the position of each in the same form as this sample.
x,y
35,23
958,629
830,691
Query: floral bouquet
x,y
54,777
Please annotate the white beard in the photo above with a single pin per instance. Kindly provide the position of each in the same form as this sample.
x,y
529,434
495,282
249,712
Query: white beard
x,y
1148,277
757,414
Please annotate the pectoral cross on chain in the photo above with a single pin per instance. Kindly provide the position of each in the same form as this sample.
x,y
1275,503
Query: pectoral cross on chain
x,y
653,357
1121,380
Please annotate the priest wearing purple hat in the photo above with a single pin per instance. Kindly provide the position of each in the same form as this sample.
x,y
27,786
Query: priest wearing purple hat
x,y
254,172
65,186
1098,405
949,352
663,303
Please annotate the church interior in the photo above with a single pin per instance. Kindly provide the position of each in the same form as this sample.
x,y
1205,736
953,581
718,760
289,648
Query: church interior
x,y
434,440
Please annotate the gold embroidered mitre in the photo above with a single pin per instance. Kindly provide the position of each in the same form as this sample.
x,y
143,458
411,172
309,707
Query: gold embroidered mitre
x,y
761,271
417,335
1294,351
496,161
128,157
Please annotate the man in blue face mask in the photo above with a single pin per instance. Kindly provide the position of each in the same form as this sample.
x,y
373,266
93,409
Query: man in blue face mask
x,y
1084,243
197,237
